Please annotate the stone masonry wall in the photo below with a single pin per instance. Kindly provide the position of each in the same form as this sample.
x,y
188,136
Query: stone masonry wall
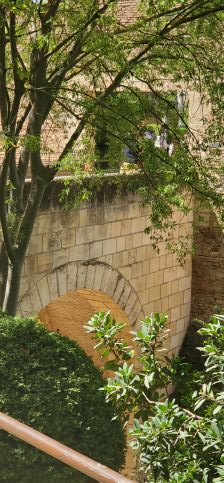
x,y
103,244
208,268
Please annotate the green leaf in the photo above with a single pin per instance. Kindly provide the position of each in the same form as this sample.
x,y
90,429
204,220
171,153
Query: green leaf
x,y
111,366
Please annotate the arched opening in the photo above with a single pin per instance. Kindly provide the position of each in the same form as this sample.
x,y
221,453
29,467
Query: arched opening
x,y
70,312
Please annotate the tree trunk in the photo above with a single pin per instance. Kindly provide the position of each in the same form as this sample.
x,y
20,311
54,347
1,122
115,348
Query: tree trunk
x,y
11,276
12,288
3,273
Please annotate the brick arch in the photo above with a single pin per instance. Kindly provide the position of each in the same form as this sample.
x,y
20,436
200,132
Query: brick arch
x,y
92,274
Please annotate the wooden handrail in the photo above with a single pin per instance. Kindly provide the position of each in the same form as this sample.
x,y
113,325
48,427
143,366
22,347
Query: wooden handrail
x,y
63,453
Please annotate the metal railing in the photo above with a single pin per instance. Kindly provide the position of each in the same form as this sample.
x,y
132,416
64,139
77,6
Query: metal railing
x,y
63,453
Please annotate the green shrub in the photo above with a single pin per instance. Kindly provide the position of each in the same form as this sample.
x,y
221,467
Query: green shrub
x,y
48,382
178,436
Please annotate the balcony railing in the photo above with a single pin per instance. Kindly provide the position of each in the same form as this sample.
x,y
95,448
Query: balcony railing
x,y
63,453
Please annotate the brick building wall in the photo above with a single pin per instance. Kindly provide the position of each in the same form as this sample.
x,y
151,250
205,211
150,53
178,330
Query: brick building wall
x,y
208,268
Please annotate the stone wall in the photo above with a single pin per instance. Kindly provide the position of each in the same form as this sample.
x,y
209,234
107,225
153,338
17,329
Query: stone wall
x,y
102,246
208,268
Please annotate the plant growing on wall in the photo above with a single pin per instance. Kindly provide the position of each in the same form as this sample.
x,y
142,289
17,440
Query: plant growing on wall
x,y
178,435
60,63
48,382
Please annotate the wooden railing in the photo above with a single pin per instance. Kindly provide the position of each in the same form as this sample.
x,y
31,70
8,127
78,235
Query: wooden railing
x,y
63,453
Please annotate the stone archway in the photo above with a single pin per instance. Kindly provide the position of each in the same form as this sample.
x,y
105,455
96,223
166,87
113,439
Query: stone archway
x,y
92,275
69,314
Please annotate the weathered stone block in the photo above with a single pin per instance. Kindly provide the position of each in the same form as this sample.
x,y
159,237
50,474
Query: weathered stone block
x,y
187,296
145,266
154,265
80,252
166,289
135,313
125,295
68,238
150,280
146,237
176,300
53,285
84,217
137,270
137,240
45,262
185,310
175,313
24,286
158,306
35,300
62,280
138,224
159,277
170,274
60,257
30,265
162,262
131,303
72,269
111,283
126,272
119,289
35,245
180,326
121,243
96,249
139,283
98,276
143,296
117,260
52,241
149,308
102,231
184,283
176,341
134,210
90,276
81,276
114,213
116,229
125,227
154,293
84,235
109,246
141,254
43,290
175,286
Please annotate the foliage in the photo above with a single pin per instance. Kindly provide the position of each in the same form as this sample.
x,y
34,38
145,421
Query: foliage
x,y
48,382
178,436
69,69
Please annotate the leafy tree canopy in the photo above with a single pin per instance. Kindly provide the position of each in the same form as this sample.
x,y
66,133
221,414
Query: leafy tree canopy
x,y
68,68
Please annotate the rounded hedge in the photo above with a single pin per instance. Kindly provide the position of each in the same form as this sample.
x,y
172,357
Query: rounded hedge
x,y
48,382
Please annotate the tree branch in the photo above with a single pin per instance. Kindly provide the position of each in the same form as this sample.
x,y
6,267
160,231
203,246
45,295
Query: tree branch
x,y
3,212
4,96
